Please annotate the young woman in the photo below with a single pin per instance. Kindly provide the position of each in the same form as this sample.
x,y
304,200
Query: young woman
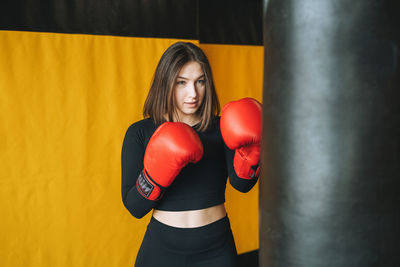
x,y
176,162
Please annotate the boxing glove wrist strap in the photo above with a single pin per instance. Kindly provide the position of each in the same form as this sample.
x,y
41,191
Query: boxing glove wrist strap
x,y
148,188
246,171
247,162
255,171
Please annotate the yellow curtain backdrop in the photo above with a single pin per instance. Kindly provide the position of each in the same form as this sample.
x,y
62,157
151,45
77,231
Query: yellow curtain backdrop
x,y
66,101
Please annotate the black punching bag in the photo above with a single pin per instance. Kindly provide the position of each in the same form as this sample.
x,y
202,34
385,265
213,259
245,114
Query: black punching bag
x,y
330,185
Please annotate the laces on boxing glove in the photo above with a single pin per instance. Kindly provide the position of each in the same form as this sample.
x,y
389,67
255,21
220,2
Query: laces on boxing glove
x,y
148,188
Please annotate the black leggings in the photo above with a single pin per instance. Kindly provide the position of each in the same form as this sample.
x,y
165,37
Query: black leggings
x,y
209,245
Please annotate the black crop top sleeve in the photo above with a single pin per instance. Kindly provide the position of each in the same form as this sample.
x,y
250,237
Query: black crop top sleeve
x,y
132,155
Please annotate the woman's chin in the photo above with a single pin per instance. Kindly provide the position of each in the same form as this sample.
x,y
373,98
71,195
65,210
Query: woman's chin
x,y
190,110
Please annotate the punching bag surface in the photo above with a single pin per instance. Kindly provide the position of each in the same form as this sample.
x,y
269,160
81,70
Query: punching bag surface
x,y
330,187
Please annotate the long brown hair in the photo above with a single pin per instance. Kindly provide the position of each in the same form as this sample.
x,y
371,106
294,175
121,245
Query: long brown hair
x,y
160,100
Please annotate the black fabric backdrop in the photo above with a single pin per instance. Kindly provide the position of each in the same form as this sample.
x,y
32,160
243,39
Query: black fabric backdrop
x,y
217,22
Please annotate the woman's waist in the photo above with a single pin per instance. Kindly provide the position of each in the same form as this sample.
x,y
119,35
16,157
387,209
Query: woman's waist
x,y
178,201
190,218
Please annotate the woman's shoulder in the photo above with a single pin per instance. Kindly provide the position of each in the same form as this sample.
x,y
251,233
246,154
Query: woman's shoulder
x,y
143,123
141,127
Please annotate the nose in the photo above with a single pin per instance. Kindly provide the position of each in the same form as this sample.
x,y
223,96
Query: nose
x,y
192,90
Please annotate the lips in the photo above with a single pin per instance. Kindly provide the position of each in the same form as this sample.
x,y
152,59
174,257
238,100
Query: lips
x,y
191,104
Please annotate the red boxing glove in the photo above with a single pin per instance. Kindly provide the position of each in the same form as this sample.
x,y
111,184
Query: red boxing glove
x,y
172,146
241,130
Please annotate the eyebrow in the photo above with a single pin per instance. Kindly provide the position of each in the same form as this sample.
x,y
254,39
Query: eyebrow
x,y
201,76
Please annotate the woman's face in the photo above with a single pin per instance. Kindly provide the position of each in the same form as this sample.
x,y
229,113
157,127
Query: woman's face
x,y
189,92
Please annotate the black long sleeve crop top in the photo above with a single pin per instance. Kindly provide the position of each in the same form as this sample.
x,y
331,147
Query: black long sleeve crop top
x,y
199,185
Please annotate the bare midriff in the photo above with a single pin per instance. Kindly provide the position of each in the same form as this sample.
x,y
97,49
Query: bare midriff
x,y
190,218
